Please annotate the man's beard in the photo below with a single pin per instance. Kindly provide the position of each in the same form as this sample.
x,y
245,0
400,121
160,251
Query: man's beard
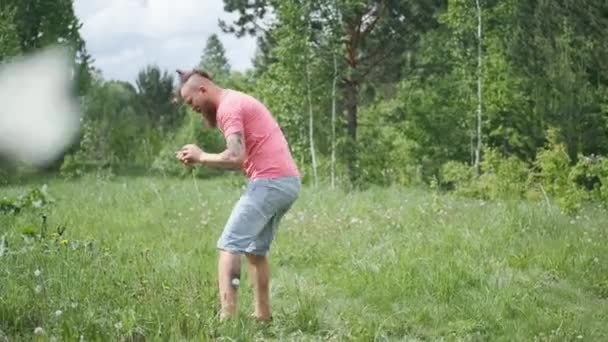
x,y
210,119
209,112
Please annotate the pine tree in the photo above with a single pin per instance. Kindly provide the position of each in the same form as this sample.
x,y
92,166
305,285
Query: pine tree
x,y
214,59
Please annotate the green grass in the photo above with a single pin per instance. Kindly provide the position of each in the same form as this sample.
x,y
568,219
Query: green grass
x,y
138,261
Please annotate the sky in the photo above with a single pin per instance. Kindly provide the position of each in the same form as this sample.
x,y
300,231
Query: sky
x,y
124,36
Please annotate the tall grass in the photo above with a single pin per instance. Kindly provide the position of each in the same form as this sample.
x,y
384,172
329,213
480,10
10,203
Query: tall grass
x,y
137,261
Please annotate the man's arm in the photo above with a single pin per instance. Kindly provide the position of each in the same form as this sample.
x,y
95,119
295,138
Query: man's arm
x,y
231,158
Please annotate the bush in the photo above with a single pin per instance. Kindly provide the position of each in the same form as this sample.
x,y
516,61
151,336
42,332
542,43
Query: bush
x,y
34,198
557,177
385,157
457,176
501,177
591,174
553,168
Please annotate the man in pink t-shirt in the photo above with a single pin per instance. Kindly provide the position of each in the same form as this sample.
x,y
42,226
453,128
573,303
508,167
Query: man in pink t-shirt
x,y
255,144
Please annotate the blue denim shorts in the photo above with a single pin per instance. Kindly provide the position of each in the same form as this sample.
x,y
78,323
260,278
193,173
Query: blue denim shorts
x,y
253,223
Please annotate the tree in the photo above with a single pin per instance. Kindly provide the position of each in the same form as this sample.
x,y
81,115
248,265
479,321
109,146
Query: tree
x,y
334,99
154,93
426,82
44,23
284,86
479,87
214,59
9,38
109,128
560,48
371,34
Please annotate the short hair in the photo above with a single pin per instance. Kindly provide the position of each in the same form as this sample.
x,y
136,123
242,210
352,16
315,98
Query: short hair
x,y
184,76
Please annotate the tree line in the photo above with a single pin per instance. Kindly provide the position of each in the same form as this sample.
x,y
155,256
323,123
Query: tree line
x,y
369,92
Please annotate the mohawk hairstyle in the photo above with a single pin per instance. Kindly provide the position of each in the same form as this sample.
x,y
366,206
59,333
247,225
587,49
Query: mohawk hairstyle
x,y
183,77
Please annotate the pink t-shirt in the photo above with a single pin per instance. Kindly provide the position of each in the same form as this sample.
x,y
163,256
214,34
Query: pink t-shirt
x,y
268,154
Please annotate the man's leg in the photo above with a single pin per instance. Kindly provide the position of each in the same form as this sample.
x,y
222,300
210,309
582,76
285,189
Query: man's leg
x,y
244,224
259,271
259,267
250,231
229,277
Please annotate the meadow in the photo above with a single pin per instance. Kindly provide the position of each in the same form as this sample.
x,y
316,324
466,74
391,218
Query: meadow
x,y
134,259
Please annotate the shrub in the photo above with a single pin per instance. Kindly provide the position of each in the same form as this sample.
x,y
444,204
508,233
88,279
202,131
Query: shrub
x,y
456,175
591,174
501,177
553,168
557,177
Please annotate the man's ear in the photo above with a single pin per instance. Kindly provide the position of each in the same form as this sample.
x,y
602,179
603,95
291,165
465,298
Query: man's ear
x,y
202,89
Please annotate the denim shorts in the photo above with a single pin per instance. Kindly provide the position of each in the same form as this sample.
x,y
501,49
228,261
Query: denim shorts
x,y
253,223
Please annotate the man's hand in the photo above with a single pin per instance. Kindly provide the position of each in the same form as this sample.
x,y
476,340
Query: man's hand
x,y
232,158
190,155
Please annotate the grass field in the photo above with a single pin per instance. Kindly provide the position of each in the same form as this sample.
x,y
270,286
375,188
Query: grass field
x,y
137,261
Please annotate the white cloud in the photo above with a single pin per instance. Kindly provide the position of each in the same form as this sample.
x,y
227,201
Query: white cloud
x,y
126,35
121,58
153,18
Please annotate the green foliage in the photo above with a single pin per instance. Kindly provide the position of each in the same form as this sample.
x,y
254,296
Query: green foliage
x,y
553,177
108,128
44,23
239,81
124,128
214,59
457,176
501,177
562,52
387,156
3,176
283,87
553,164
154,98
405,96
591,174
34,198
9,38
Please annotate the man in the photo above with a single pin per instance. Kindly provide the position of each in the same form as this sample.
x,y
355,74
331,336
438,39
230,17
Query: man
x,y
256,144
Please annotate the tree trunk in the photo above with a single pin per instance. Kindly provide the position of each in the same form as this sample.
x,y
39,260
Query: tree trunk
x,y
351,103
479,91
333,124
311,127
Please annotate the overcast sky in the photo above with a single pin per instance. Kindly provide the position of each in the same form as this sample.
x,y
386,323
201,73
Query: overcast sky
x,y
124,36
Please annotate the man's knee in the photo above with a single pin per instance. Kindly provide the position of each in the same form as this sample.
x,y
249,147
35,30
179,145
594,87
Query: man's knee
x,y
255,259
235,280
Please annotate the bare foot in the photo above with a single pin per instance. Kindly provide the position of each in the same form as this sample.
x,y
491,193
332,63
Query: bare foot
x,y
261,319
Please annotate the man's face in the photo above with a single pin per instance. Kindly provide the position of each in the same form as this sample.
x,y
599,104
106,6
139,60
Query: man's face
x,y
199,100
